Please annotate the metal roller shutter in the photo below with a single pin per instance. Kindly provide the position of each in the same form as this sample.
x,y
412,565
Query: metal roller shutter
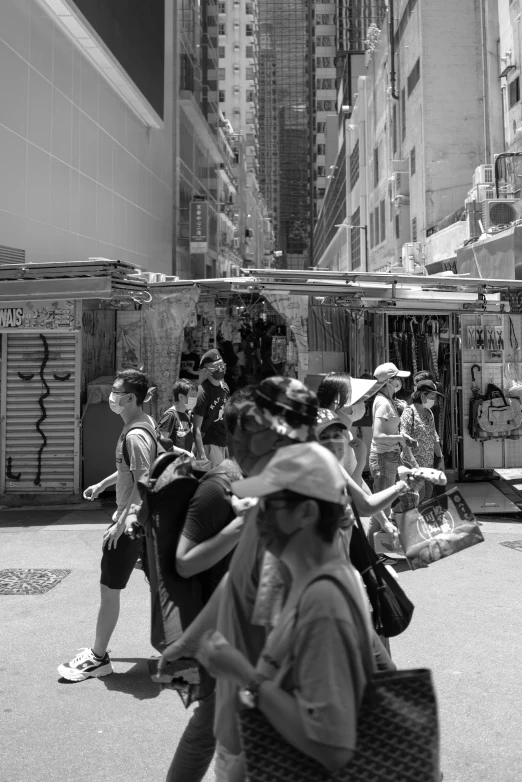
x,y
41,376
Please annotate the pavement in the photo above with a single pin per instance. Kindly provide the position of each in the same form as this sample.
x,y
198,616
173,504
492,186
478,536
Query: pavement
x,y
466,627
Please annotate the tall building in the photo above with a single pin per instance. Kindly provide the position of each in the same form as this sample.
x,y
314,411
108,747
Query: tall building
x,y
86,94
269,168
287,54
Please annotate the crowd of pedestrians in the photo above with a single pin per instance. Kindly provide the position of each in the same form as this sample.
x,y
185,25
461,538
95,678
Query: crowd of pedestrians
x,y
269,539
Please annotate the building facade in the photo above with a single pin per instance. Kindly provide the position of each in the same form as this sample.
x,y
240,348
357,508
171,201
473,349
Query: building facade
x,y
86,131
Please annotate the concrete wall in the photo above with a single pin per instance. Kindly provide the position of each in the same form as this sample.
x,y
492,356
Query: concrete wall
x,y
81,175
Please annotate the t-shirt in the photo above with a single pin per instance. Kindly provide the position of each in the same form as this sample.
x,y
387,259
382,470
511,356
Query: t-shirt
x,y
316,652
236,610
210,405
209,511
385,408
179,427
141,448
189,365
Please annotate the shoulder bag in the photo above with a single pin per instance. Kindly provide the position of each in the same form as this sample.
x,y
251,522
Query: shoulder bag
x,y
397,732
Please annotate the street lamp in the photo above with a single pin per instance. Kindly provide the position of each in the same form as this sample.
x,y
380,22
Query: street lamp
x,y
360,228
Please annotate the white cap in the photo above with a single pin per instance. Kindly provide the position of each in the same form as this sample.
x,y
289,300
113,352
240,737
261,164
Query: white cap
x,y
305,468
385,372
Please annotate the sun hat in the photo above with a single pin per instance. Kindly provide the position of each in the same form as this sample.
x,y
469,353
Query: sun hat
x,y
386,371
427,387
306,468
362,389
326,418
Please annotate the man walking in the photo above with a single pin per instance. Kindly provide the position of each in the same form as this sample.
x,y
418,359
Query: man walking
x,y
210,433
135,453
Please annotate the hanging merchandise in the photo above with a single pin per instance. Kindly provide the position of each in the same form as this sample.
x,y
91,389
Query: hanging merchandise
x,y
471,333
498,416
278,350
475,403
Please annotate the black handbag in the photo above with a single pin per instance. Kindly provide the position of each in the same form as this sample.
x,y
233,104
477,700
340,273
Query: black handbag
x,y
391,607
397,734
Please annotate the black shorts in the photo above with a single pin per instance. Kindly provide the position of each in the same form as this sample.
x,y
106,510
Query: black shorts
x,y
118,563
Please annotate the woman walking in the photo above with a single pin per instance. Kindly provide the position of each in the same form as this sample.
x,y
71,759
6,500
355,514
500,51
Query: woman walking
x,y
418,423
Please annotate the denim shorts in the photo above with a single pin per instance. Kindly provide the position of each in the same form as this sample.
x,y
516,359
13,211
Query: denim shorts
x,y
383,468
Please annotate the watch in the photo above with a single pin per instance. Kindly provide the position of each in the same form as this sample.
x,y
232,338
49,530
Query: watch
x,y
249,695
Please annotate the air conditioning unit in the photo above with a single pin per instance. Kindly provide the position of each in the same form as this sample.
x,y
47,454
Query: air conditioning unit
x,y
400,184
401,201
498,212
483,175
413,258
400,166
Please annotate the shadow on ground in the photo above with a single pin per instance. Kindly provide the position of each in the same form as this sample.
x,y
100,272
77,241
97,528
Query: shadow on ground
x,y
136,681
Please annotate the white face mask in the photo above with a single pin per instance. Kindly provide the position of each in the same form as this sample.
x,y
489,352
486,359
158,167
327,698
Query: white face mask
x,y
115,404
429,403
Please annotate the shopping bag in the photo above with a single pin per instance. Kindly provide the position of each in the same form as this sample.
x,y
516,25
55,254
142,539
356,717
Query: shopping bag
x,y
437,529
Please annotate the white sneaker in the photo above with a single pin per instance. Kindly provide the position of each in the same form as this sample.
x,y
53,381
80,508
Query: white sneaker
x,y
85,666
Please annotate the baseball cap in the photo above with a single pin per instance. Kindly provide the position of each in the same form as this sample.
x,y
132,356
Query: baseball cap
x,y
287,405
326,418
306,468
427,387
386,371
209,357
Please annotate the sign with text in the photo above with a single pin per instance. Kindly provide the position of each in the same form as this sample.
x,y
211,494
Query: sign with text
x,y
37,315
198,226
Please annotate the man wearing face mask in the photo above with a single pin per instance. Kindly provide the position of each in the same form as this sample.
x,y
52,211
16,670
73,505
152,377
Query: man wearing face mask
x,y
120,552
210,434
387,438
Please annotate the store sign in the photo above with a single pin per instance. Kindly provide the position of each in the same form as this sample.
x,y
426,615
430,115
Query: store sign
x,y
37,315
198,226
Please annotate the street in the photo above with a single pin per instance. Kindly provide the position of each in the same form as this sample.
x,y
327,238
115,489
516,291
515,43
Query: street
x,y
466,627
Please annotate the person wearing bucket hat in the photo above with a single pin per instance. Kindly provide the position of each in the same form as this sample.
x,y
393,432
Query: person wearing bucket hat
x,y
387,438
418,422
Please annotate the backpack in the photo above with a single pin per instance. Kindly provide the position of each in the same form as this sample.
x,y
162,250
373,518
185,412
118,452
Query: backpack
x,y
163,444
171,426
175,601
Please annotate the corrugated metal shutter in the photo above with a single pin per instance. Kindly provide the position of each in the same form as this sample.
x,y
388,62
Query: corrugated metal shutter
x,y
57,466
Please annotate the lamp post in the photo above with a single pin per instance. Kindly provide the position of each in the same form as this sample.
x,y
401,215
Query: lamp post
x,y
360,228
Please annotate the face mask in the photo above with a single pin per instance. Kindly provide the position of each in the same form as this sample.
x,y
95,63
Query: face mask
x,y
395,386
115,404
218,375
358,411
429,403
273,538
250,447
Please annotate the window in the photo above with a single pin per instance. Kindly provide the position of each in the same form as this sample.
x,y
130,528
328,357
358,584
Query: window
x,y
376,166
249,29
376,225
321,127
250,96
403,113
354,166
355,239
222,8
250,73
394,128
325,84
397,227
372,238
514,92
222,74
222,28
414,229
413,77
221,52
382,207
321,192
321,171
412,162
221,96
321,149
249,8
249,51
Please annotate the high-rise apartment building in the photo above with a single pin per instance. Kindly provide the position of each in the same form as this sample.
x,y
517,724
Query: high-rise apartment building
x,y
269,167
287,52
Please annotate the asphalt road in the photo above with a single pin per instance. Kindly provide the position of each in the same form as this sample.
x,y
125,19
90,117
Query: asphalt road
x,y
467,628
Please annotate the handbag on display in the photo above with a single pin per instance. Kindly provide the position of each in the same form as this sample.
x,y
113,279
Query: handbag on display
x,y
497,414
391,607
437,529
397,732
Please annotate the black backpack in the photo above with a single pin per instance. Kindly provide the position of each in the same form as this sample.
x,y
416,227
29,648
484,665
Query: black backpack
x,y
175,601
163,444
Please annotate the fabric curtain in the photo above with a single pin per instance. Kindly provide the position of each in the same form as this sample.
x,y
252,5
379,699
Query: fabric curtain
x,y
329,329
294,309
164,319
